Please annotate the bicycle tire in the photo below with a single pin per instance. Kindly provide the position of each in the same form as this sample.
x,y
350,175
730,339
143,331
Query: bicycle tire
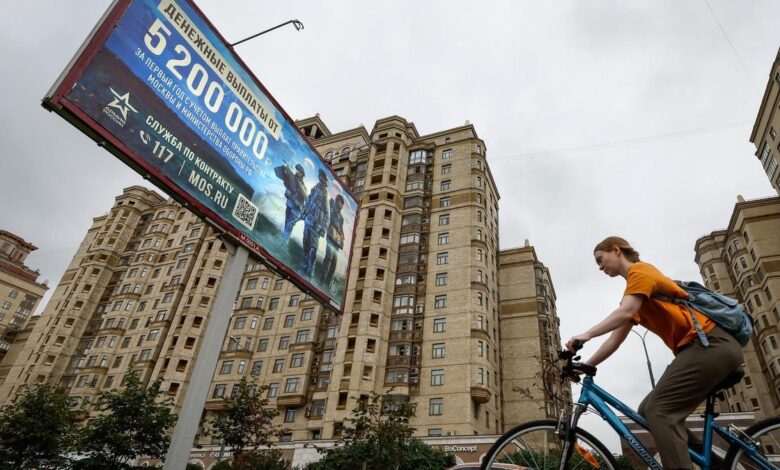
x,y
544,425
756,431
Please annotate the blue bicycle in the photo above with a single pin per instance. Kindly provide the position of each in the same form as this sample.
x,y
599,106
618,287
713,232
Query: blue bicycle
x,y
562,445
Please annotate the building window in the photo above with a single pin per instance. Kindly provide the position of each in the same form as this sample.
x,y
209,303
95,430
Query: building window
x,y
278,366
278,284
273,390
302,336
441,301
480,375
437,377
291,386
284,342
296,360
445,201
289,415
438,351
444,219
288,321
443,238
219,391
227,367
239,323
273,303
439,325
262,344
306,313
436,407
447,154
445,185
446,169
441,279
294,300
417,156
441,258
257,367
268,323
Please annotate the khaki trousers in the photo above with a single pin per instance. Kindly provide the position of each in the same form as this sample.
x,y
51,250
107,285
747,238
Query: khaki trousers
x,y
684,385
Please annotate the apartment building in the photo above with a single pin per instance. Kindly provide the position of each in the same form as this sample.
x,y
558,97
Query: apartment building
x,y
765,129
20,291
429,301
743,261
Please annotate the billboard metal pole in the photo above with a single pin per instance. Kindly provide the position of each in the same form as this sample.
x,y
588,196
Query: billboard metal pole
x,y
206,361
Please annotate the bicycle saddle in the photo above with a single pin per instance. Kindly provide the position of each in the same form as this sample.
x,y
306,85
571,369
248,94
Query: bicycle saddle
x,y
732,379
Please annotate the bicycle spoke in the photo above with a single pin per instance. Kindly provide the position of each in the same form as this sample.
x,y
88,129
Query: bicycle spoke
x,y
538,447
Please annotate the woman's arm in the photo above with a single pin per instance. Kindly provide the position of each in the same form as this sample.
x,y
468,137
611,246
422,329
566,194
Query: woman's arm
x,y
620,317
610,345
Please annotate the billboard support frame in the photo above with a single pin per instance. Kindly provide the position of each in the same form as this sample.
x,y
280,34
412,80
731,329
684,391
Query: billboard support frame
x,y
205,362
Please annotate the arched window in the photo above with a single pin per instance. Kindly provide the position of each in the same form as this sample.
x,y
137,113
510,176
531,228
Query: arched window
x,y
345,152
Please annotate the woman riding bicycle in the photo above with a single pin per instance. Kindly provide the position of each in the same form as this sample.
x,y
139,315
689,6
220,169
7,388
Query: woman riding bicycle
x,y
695,370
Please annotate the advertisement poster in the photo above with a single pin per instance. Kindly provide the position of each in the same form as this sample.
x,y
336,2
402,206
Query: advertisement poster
x,y
164,85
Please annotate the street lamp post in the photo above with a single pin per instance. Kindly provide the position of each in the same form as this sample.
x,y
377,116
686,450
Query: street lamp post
x,y
647,356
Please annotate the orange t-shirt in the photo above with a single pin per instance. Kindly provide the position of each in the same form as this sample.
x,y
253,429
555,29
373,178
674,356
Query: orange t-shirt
x,y
669,321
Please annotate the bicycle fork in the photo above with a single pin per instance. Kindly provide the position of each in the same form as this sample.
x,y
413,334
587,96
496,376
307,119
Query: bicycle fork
x,y
567,431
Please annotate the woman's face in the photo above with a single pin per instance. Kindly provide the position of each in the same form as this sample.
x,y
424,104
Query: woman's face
x,y
608,261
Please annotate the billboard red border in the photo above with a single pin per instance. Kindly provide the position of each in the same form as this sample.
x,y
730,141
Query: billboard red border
x,y
58,103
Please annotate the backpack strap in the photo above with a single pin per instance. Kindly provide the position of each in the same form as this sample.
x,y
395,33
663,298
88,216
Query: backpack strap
x,y
685,303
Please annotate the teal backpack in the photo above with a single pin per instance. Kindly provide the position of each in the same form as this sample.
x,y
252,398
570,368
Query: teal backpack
x,y
726,312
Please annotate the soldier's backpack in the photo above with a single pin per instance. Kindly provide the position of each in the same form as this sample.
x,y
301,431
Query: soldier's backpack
x,y
726,312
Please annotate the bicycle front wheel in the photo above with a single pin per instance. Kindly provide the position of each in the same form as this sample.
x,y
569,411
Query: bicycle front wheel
x,y
766,435
536,445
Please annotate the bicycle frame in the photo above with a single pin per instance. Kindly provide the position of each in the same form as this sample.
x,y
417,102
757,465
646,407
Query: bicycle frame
x,y
596,397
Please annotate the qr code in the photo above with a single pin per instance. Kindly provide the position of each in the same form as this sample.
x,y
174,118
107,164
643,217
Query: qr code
x,y
245,212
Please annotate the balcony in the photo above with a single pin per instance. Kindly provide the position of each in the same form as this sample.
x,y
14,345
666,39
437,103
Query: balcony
x,y
305,346
406,335
216,404
480,333
250,310
344,384
292,400
171,286
480,394
394,361
244,353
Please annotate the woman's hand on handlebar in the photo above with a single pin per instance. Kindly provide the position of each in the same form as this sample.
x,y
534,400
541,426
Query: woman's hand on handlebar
x,y
575,342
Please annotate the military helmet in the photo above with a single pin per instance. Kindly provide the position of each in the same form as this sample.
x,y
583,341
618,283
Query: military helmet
x,y
299,167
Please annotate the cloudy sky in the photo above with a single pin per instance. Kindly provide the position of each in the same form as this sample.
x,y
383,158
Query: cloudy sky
x,y
600,118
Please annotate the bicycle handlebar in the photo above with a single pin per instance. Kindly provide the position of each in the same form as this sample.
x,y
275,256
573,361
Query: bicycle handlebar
x,y
573,369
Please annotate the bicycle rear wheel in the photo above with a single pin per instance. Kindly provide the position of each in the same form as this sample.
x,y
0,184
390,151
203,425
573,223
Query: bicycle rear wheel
x,y
536,445
767,435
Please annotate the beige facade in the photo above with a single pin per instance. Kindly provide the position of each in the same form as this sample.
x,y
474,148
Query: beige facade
x,y
743,261
529,329
424,314
20,292
764,135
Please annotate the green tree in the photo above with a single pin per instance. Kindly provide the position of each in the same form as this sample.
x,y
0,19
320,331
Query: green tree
x,y
378,435
246,424
133,422
37,430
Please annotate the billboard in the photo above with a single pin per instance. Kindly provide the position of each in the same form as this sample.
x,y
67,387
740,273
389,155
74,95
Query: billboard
x,y
158,86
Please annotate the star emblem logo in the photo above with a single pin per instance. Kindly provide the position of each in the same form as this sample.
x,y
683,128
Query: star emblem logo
x,y
122,103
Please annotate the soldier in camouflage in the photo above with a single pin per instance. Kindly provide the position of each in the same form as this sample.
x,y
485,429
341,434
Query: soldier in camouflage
x,y
315,220
334,239
294,192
